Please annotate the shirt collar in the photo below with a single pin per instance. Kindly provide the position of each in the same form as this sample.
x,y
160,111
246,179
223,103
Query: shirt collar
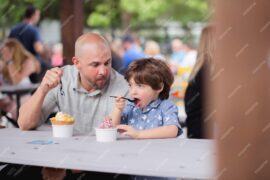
x,y
152,105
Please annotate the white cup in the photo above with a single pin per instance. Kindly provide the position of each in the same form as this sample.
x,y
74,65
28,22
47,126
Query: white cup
x,y
62,131
106,135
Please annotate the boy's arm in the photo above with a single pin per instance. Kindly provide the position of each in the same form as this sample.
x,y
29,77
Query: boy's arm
x,y
117,111
169,131
116,116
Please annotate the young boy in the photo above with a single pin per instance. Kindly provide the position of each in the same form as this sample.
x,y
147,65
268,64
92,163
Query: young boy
x,y
151,115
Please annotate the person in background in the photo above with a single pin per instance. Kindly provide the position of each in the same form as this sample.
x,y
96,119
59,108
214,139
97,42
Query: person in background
x,y
117,62
117,54
18,66
178,54
195,104
152,49
132,51
57,55
28,34
178,51
190,57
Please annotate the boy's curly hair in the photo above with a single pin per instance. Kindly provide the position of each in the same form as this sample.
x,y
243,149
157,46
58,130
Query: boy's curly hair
x,y
152,72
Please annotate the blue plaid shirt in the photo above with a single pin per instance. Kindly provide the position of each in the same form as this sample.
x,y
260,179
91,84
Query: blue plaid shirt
x,y
157,113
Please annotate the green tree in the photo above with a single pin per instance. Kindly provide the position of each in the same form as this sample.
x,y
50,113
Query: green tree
x,y
136,13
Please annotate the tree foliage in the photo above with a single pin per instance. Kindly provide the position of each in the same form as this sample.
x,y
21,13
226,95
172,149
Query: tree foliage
x,y
109,13
12,11
148,12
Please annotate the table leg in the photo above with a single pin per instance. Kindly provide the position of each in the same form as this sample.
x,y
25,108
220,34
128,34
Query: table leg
x,y
18,103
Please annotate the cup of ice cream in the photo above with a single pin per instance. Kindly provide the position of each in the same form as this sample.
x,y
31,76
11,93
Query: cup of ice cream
x,y
62,125
106,132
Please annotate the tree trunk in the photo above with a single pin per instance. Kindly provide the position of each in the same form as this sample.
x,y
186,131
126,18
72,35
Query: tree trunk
x,y
71,17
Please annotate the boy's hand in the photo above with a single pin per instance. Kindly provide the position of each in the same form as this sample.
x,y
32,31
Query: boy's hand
x,y
120,103
128,131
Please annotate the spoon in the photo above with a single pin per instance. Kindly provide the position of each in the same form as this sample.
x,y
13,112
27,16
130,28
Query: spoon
x,y
130,100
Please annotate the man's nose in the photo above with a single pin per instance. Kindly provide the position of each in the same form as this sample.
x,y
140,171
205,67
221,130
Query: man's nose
x,y
102,70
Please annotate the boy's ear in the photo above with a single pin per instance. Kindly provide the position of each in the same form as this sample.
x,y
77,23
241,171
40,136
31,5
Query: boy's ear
x,y
161,88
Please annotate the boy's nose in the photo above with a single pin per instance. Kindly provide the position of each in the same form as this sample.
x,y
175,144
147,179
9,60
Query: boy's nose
x,y
132,91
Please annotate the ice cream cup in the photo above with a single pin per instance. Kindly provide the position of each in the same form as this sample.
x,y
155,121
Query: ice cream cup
x,y
106,135
62,129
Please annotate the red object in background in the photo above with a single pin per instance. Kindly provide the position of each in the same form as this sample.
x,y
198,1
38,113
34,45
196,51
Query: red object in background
x,y
176,94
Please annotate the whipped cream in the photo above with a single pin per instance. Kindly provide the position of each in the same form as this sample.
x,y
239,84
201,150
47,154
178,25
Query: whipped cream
x,y
60,116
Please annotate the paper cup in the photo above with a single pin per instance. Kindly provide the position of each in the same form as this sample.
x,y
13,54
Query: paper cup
x,y
62,131
106,135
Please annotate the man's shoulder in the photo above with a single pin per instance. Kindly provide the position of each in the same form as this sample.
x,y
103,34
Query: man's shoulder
x,y
69,72
23,28
16,28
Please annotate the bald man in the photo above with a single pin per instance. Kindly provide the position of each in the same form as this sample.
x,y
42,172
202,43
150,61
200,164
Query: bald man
x,y
81,90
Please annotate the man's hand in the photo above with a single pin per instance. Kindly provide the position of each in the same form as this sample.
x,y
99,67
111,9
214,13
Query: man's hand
x,y
53,174
51,79
128,131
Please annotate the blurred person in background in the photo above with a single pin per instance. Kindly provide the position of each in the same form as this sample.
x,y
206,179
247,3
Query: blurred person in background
x,y
28,34
195,103
117,54
57,55
190,57
132,51
152,49
185,68
18,66
178,51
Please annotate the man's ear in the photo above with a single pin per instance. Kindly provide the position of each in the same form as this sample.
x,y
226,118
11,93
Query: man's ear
x,y
75,61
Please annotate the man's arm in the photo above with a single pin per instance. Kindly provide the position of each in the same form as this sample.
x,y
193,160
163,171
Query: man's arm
x,y
30,111
39,47
37,41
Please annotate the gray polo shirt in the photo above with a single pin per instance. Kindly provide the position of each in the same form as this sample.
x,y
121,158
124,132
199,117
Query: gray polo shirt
x,y
88,109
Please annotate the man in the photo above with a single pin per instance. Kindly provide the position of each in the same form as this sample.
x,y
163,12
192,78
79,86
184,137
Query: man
x,y
28,34
81,90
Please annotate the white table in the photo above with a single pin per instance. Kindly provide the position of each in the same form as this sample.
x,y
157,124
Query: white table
x,y
183,158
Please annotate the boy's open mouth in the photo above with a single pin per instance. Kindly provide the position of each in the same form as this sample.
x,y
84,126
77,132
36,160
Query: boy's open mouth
x,y
136,101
